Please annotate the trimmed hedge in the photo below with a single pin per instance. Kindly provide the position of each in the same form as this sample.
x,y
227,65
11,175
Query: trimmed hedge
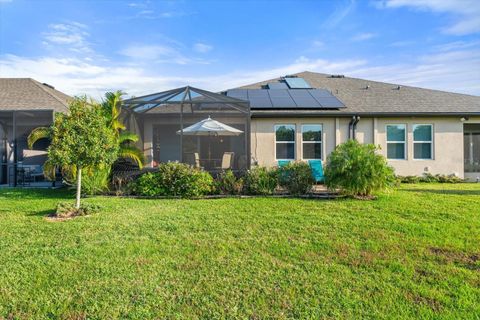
x,y
428,177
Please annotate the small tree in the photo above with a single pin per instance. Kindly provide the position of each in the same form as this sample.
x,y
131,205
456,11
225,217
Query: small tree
x,y
80,139
358,170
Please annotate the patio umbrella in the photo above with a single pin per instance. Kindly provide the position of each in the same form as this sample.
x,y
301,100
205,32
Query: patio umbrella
x,y
210,127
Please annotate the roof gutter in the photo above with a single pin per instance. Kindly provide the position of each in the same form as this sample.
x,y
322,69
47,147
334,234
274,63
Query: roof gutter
x,y
256,114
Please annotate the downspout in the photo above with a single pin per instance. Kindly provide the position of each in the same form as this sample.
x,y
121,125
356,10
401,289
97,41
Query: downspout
x,y
350,128
354,126
15,164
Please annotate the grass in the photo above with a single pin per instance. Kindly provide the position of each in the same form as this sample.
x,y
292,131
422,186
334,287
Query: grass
x,y
411,253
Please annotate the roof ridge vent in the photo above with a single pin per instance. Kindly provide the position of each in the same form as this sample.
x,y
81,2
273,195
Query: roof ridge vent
x,y
337,76
48,85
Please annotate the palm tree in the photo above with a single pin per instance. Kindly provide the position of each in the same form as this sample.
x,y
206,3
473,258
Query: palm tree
x,y
111,106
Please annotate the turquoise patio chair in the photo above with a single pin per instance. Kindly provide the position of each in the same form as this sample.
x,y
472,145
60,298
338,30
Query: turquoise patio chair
x,y
317,170
283,163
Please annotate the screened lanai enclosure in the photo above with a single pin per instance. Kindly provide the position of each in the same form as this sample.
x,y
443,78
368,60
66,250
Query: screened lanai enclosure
x,y
204,129
20,166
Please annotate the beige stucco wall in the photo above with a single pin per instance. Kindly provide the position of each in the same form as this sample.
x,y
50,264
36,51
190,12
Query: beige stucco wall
x,y
263,137
447,141
447,146
448,153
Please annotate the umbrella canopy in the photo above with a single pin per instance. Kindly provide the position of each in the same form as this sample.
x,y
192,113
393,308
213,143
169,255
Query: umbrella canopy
x,y
209,127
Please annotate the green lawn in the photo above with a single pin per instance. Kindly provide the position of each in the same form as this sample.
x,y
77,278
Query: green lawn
x,y
411,253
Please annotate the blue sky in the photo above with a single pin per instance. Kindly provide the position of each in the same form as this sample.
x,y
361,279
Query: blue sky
x,y
147,46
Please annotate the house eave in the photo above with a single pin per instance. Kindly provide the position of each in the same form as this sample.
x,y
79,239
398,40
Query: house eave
x,y
330,114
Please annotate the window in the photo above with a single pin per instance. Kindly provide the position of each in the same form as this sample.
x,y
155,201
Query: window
x,y
312,141
422,141
396,145
285,141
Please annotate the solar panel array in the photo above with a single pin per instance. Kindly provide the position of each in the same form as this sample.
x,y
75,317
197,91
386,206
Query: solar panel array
x,y
287,98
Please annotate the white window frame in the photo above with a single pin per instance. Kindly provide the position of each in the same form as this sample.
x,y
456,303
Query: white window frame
x,y
431,141
313,142
405,152
294,140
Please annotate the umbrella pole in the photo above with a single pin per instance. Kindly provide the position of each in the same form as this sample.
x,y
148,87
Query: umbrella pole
x,y
209,148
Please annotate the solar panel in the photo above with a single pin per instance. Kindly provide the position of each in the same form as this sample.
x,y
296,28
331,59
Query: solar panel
x,y
259,98
304,99
238,93
297,83
330,102
277,85
281,99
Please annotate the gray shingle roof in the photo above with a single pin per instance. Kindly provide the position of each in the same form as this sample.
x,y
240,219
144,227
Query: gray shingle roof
x,y
29,94
382,98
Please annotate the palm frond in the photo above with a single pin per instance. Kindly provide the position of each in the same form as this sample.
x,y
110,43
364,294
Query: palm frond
x,y
37,134
127,136
117,125
49,170
113,102
133,153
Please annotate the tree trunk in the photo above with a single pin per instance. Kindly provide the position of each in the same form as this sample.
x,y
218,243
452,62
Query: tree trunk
x,y
79,187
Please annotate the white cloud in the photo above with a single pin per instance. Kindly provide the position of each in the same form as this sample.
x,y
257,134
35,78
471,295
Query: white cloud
x,y
71,35
339,14
317,43
202,47
159,54
363,36
454,70
466,13
404,43
147,52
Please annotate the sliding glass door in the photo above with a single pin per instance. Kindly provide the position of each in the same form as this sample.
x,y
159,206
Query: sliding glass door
x,y
471,139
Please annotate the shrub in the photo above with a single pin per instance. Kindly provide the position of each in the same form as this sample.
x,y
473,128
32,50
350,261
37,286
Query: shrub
x,y
96,181
296,177
358,170
260,181
67,209
408,179
174,179
228,183
428,177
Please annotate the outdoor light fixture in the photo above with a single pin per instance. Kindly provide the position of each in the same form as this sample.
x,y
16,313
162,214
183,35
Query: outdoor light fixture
x,y
463,119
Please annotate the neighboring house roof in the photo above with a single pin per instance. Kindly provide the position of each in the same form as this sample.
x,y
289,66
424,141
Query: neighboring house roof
x,y
29,94
379,99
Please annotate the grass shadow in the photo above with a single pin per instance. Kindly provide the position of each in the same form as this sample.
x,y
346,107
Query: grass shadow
x,y
447,192
31,194
43,213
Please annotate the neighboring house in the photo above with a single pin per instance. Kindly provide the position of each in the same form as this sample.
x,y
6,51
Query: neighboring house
x,y
304,116
24,105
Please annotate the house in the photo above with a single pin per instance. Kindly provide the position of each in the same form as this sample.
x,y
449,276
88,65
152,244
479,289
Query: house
x,y
305,115
297,117
25,104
